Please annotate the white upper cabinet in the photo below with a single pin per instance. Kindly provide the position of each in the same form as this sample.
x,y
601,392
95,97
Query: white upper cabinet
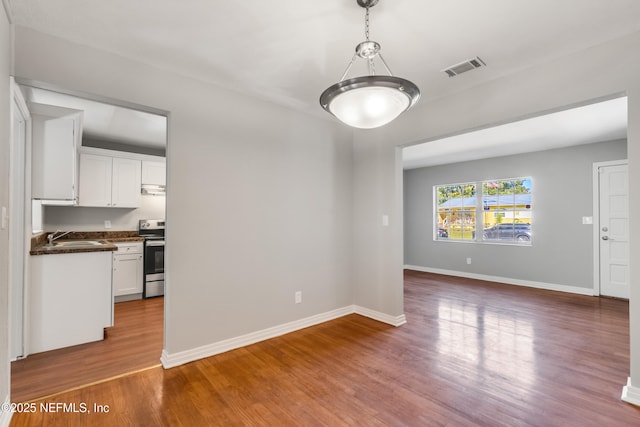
x,y
125,187
95,180
154,173
56,135
109,181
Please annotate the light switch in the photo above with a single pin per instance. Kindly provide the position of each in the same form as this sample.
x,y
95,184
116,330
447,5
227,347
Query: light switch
x,y
385,220
587,220
5,217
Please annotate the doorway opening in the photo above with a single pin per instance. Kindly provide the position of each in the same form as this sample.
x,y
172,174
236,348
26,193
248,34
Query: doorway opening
x,y
110,129
557,150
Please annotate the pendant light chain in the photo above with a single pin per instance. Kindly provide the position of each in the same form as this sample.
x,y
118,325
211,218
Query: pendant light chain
x,y
366,23
370,63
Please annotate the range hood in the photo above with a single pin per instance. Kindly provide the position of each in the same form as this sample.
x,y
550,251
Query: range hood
x,y
153,190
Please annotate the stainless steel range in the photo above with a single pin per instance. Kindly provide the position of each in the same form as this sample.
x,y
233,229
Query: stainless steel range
x,y
153,232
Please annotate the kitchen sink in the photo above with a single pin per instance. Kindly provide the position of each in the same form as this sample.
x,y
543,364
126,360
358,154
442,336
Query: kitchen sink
x,y
72,245
76,243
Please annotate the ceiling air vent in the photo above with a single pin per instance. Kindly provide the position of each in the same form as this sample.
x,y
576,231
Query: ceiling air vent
x,y
463,67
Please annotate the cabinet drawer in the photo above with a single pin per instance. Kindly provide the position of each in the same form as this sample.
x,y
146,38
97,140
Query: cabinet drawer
x,y
128,248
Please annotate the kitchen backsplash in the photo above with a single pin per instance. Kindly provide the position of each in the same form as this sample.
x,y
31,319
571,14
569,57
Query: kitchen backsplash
x,y
93,219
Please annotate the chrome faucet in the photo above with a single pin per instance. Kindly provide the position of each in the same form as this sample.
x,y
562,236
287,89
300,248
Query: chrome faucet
x,y
52,237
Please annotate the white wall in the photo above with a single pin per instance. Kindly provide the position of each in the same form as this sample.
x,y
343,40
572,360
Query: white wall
x,y
79,218
603,70
260,197
5,71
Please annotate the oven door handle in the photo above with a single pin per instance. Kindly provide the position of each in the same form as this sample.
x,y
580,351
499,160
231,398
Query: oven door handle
x,y
155,243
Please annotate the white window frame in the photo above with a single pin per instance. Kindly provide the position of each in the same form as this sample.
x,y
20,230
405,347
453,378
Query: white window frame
x,y
480,213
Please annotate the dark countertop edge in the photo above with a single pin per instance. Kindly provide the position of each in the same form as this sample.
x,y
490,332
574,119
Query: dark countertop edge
x,y
124,239
106,247
40,242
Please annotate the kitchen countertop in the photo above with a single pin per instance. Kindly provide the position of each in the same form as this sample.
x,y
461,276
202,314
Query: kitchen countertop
x,y
108,238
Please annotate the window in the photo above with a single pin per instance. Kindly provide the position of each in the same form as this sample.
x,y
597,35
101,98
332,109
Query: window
x,y
500,212
456,211
506,206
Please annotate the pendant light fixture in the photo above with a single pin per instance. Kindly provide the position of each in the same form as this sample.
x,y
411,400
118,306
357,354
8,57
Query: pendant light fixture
x,y
370,101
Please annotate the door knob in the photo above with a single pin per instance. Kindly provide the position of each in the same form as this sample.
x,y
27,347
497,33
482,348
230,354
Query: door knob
x,y
605,229
605,237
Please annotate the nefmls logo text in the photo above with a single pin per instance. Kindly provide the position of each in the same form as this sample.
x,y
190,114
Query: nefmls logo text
x,y
81,407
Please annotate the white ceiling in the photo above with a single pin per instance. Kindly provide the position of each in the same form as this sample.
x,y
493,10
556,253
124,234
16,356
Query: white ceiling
x,y
289,51
603,121
108,122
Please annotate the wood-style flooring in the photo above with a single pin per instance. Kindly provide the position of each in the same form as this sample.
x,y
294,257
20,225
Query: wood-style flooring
x,y
473,353
133,343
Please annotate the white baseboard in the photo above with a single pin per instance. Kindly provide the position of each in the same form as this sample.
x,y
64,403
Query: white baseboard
x,y
631,394
506,280
180,358
5,416
381,317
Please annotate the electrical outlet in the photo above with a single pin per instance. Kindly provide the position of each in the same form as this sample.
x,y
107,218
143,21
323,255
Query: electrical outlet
x,y
468,260
298,297
107,224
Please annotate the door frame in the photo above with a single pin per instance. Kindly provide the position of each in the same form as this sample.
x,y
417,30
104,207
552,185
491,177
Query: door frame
x,y
596,219
19,171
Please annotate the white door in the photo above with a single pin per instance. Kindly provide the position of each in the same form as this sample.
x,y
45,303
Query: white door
x,y
614,230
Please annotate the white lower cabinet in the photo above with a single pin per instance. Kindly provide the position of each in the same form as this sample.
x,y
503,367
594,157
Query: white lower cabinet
x,y
70,299
127,271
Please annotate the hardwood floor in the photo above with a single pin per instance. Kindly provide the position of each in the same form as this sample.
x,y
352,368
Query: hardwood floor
x,y
134,343
473,353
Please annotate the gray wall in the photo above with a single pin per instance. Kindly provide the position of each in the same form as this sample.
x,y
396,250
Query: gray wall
x,y
562,249
5,71
260,196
